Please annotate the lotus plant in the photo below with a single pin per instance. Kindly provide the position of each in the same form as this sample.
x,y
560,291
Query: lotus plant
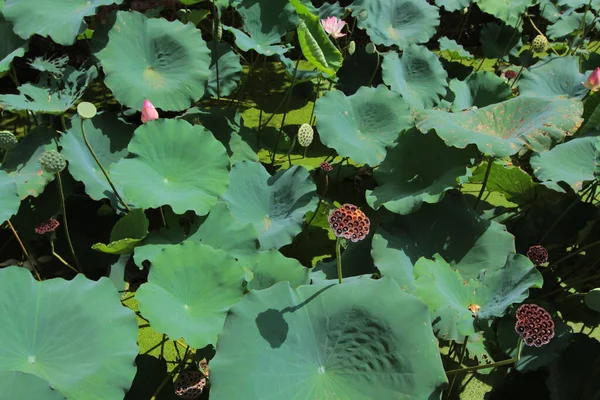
x,y
593,81
148,112
333,26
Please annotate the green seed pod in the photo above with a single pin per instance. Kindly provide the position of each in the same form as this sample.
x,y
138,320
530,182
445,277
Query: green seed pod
x,y
539,44
8,141
351,47
305,135
52,161
370,48
363,15
217,30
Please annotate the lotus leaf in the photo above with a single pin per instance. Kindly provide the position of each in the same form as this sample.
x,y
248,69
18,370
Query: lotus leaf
x,y
164,61
514,183
229,69
272,267
127,233
305,341
11,46
361,126
17,385
261,43
569,22
508,12
566,78
452,5
83,352
500,41
454,50
480,89
502,129
10,201
189,290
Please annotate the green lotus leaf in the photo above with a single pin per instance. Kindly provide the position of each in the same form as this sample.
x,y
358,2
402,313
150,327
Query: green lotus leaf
x,y
480,89
230,69
508,12
164,61
127,233
228,127
361,126
108,136
502,129
272,267
306,339
10,201
61,20
410,176
553,76
449,296
551,10
22,162
259,42
315,43
574,162
173,163
189,290
302,75
11,46
17,385
82,352
275,205
454,50
500,41
514,183
327,9
569,22
591,114
397,22
418,75
57,98
467,241
452,5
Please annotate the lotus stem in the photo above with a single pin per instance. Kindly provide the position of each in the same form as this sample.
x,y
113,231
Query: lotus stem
x,y
55,254
485,180
376,68
510,361
285,114
171,374
87,143
462,357
162,216
540,32
243,88
464,24
297,240
25,252
215,51
64,213
338,258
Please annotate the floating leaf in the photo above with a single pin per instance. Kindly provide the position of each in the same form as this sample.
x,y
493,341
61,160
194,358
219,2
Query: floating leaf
x,y
127,233
397,22
418,75
553,76
411,175
152,58
174,163
89,354
361,126
275,205
11,46
189,290
10,201
502,129
230,69
307,337
480,89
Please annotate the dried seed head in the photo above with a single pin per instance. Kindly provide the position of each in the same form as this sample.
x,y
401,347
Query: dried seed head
x,y
46,226
190,384
534,325
510,74
8,141
305,135
325,166
537,255
52,161
351,47
349,222
539,44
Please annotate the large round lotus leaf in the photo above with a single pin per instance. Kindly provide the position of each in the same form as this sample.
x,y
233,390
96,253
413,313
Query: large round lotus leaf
x,y
574,162
59,19
502,129
17,385
275,205
272,267
189,290
361,126
10,201
108,136
508,11
480,89
22,162
553,76
174,163
152,58
418,75
74,334
452,5
358,341
419,168
397,22
468,242
230,69
500,41
11,46
451,297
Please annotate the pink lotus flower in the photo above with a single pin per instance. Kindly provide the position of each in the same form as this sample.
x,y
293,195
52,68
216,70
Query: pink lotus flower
x,y
148,112
333,26
593,81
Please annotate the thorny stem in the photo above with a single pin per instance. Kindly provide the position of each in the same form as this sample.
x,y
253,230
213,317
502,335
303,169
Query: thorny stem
x,y
338,258
64,214
492,365
14,231
85,139
485,180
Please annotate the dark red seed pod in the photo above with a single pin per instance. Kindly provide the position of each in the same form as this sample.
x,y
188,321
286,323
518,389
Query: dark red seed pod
x,y
534,325
538,255
47,226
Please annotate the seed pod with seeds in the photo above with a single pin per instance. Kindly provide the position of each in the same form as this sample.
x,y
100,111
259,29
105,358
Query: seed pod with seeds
x,y
305,135
8,141
539,44
351,47
52,161
370,48
190,384
363,15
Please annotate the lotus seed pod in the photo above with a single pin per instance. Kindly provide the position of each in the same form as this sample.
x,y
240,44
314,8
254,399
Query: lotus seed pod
x,y
351,47
48,226
325,166
534,325
349,222
539,44
363,15
8,141
217,30
370,48
190,384
52,161
538,255
305,135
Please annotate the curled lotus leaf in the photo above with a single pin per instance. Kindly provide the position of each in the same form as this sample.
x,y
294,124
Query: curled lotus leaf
x,y
11,46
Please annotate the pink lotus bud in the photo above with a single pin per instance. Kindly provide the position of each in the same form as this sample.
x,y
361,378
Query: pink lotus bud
x,y
333,27
593,81
148,112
